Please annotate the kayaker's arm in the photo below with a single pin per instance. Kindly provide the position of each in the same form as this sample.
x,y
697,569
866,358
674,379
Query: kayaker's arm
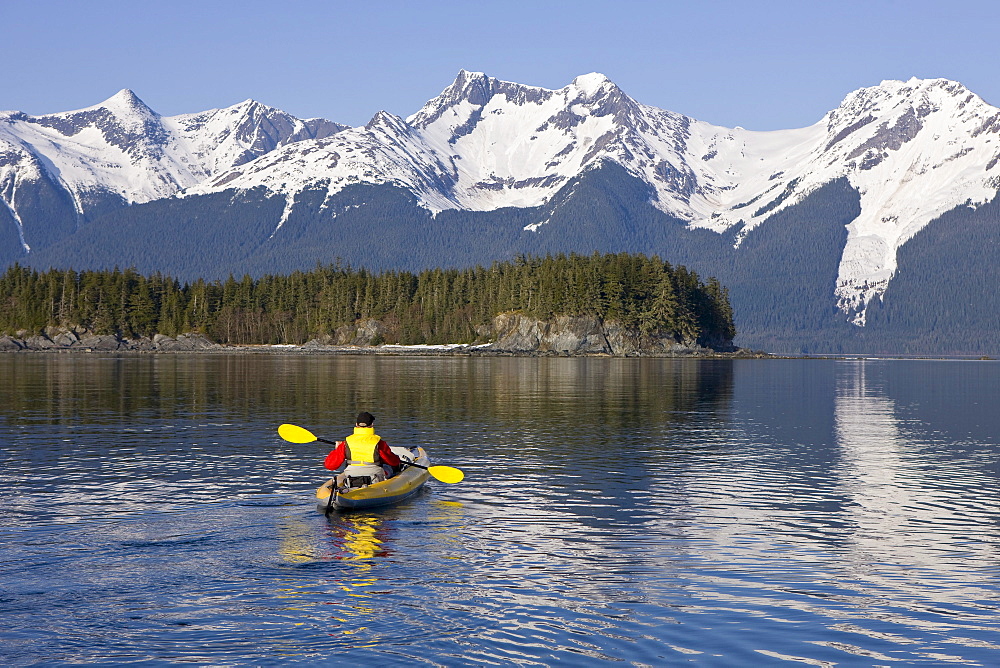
x,y
335,459
389,457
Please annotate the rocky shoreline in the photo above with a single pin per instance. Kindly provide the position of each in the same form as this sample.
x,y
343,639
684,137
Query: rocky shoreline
x,y
511,334
70,340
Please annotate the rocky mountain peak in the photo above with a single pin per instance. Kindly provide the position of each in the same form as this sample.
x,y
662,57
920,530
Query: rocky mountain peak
x,y
383,120
892,97
474,87
125,99
604,98
593,84
476,90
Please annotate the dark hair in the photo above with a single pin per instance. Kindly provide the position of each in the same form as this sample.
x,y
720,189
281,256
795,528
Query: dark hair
x,y
365,418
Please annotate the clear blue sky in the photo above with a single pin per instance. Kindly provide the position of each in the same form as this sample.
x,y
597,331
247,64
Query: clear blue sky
x,y
761,65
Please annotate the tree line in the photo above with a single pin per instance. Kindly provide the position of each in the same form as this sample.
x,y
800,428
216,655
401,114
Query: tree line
x,y
432,306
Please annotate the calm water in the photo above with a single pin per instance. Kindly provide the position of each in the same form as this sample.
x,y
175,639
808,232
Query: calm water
x,y
631,512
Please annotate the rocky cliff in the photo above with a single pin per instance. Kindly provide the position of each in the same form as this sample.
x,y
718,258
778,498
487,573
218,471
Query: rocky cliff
x,y
63,338
572,335
509,333
589,335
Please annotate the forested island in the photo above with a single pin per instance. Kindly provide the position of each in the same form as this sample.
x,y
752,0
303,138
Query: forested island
x,y
633,301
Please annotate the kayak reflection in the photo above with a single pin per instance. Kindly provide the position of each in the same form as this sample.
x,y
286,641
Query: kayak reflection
x,y
353,538
359,538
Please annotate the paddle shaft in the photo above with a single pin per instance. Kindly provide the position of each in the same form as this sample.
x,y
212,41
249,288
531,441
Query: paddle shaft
x,y
401,460
329,500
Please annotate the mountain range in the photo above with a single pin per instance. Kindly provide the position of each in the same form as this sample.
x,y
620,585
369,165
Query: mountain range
x,y
873,230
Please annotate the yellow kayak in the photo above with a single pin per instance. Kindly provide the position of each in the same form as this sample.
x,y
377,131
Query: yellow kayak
x,y
387,492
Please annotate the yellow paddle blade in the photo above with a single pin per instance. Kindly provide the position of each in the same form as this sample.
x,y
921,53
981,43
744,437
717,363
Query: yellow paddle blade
x,y
294,434
448,474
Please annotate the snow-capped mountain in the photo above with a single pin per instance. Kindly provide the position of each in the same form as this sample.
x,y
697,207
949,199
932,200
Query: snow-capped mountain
x,y
484,144
911,151
122,149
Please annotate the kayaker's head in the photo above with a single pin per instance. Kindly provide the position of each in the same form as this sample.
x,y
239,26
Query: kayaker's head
x,y
365,419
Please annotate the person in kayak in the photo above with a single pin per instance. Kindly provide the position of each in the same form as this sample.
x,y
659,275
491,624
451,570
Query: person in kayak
x,y
366,454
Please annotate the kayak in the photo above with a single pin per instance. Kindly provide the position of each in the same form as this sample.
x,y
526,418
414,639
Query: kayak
x,y
384,493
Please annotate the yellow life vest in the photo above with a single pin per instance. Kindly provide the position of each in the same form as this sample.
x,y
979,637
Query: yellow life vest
x,y
361,446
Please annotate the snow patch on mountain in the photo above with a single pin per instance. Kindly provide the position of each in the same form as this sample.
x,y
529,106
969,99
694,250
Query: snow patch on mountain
x,y
17,219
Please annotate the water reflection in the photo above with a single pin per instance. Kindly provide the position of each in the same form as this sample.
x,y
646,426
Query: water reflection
x,y
324,390
902,506
360,538
354,538
878,482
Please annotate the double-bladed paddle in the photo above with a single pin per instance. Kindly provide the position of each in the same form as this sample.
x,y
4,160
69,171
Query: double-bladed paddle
x,y
294,434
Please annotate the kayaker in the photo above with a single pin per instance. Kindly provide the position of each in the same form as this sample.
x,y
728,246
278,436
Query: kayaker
x,y
366,454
